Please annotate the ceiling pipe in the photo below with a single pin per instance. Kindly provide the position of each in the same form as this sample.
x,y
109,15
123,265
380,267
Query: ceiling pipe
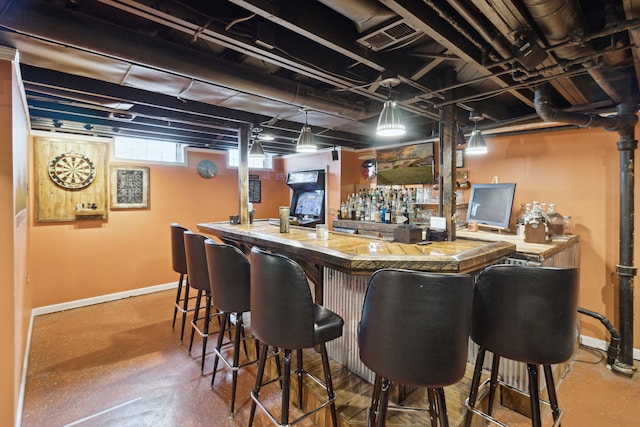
x,y
40,20
562,20
490,37
624,123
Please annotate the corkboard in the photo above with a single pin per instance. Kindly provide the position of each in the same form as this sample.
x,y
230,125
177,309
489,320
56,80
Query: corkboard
x,y
56,203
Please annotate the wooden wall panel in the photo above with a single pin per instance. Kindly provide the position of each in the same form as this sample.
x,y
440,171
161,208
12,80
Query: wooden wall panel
x,y
56,203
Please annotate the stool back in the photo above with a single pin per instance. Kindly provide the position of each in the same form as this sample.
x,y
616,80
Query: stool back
x,y
228,276
196,261
415,326
526,313
281,302
178,257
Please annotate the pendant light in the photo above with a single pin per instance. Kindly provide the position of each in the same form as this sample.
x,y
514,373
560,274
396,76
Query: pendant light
x,y
306,140
390,122
256,151
477,145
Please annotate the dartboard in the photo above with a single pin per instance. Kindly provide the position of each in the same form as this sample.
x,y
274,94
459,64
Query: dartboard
x,y
72,170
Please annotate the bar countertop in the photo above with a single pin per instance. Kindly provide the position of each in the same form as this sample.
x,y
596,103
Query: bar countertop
x,y
359,255
537,252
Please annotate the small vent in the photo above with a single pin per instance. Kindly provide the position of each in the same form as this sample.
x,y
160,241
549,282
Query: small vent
x,y
388,36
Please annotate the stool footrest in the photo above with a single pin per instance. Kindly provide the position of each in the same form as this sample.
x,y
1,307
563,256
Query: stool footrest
x,y
273,419
516,390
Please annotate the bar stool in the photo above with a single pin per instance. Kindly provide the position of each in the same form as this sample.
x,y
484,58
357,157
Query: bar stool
x,y
284,316
527,314
199,279
414,330
229,274
179,263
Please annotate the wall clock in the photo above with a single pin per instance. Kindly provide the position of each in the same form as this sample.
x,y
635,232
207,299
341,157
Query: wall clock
x,y
207,169
72,170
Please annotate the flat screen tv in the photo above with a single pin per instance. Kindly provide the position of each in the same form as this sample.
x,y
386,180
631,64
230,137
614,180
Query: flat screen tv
x,y
490,204
309,203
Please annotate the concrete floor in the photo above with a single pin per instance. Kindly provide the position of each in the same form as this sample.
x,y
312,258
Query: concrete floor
x,y
120,364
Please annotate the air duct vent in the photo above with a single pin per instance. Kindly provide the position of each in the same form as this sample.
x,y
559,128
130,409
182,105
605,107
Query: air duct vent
x,y
127,117
388,36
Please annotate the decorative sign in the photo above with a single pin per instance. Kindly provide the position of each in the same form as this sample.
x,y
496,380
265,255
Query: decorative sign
x,y
255,191
72,170
129,187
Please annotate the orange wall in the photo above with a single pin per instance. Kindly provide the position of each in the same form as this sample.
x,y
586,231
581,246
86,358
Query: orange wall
x,y
578,170
16,312
82,259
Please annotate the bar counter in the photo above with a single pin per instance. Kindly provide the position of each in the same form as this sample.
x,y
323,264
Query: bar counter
x,y
361,255
340,267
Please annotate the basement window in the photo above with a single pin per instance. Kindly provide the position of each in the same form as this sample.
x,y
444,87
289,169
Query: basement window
x,y
148,150
233,160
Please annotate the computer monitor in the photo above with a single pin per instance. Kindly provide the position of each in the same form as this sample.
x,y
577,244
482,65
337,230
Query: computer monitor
x,y
490,204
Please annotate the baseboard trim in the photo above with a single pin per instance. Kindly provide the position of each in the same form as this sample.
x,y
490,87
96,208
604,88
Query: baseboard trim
x,y
603,345
38,311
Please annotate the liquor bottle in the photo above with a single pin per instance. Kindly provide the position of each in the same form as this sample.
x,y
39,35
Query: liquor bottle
x,y
555,221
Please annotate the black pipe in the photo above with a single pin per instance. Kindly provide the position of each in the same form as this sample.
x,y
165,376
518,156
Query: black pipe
x,y
624,123
625,270
614,343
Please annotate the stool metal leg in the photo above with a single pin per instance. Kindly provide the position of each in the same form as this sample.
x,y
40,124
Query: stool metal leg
x,y
185,308
286,384
442,407
551,389
433,412
375,401
175,306
300,373
205,334
384,402
225,317
196,314
236,358
493,384
329,383
259,374
475,385
534,386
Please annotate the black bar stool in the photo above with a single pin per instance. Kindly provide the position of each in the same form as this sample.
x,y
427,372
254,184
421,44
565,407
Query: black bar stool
x,y
179,264
229,276
414,330
527,314
199,279
284,316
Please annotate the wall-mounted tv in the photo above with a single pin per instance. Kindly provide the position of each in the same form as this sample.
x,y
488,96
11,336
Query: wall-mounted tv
x,y
409,164
490,204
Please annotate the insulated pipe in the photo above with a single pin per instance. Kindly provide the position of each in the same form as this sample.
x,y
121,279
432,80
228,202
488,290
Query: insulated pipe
x,y
365,14
624,123
561,21
41,20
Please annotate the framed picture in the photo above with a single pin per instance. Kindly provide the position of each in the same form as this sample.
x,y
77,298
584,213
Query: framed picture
x,y
459,158
255,191
129,187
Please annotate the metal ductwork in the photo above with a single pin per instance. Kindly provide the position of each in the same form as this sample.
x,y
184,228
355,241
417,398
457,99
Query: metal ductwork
x,y
561,21
366,14
624,123
42,28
